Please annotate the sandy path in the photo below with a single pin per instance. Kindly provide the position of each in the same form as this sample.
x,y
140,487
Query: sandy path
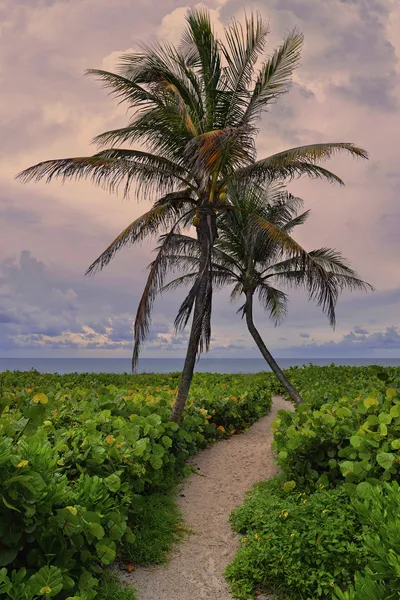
x,y
230,468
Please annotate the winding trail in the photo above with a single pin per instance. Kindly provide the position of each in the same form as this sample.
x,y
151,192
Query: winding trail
x,y
229,469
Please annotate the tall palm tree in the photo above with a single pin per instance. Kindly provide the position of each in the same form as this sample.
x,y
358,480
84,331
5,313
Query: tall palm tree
x,y
196,108
255,252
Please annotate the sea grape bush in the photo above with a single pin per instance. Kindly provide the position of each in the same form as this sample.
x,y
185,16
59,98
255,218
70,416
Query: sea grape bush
x,y
353,440
379,508
318,385
303,545
77,462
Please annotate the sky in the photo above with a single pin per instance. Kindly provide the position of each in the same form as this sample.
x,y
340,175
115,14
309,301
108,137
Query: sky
x,y
346,89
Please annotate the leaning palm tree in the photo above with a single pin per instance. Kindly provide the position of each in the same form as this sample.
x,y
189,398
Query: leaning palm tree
x,y
255,253
196,109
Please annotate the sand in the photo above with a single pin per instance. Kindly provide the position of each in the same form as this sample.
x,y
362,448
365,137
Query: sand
x,y
228,469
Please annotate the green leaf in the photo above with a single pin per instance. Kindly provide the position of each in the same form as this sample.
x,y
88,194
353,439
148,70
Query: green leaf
x,y
140,447
385,418
106,551
113,482
395,411
356,441
7,555
10,506
396,444
343,412
97,530
48,580
158,450
364,489
166,441
87,582
383,429
129,536
368,402
156,462
187,471
289,486
385,459
346,467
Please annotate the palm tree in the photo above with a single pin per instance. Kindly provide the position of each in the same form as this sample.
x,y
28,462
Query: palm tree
x,y
196,107
255,253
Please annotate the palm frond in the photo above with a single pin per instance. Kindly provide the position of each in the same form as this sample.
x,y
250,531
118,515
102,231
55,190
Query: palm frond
x,y
155,281
298,220
298,161
109,169
160,66
241,51
274,301
166,213
162,130
201,48
275,76
270,169
122,87
324,275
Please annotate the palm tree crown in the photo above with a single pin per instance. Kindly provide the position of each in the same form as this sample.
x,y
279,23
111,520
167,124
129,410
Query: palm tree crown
x,y
256,254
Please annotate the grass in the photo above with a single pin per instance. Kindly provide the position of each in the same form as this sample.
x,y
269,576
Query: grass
x,y
111,588
158,526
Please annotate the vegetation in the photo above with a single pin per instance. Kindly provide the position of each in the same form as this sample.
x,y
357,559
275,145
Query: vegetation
x,y
298,544
338,494
379,508
196,110
259,262
79,460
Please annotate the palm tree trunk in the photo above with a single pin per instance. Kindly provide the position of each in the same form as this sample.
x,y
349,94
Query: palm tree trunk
x,y
206,238
293,393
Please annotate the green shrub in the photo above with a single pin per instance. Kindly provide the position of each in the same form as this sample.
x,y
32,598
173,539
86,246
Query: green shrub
x,y
379,508
318,385
351,440
77,463
300,545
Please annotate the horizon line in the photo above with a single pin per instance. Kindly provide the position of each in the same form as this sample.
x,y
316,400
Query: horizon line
x,y
205,358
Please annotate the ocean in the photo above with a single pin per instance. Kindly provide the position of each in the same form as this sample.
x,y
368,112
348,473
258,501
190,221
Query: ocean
x,y
170,365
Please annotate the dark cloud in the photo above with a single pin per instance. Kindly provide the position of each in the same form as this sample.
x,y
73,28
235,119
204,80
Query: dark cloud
x,y
375,91
360,330
381,343
304,335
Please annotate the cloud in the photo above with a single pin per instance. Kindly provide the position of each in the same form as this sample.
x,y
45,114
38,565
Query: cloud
x,y
304,335
354,344
360,331
347,87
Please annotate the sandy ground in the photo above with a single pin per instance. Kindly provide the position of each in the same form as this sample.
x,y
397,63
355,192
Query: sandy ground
x,y
229,469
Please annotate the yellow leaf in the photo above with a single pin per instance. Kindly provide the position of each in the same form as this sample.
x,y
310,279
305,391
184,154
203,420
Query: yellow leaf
x,y
45,590
391,392
23,463
40,398
109,439
368,402
72,510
